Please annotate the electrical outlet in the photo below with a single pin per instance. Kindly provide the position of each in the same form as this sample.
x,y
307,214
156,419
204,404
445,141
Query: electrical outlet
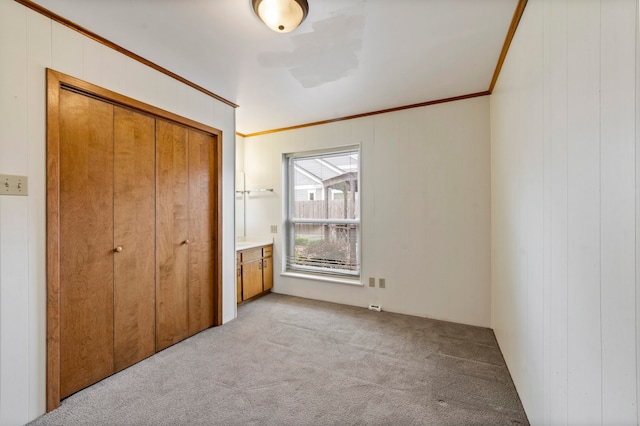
x,y
274,229
372,282
383,282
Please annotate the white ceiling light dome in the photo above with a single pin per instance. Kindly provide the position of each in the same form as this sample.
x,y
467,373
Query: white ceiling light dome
x,y
281,16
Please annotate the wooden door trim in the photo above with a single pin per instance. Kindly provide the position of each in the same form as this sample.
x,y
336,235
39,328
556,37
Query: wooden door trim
x,y
53,241
57,81
217,225
107,95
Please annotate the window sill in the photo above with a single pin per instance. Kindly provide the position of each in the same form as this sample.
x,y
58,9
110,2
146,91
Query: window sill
x,y
324,278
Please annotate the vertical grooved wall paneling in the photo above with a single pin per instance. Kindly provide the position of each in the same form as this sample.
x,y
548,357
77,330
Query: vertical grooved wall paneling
x,y
38,53
637,216
617,180
563,125
14,220
637,194
584,273
556,341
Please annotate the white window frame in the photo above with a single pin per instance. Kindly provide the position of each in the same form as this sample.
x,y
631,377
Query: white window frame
x,y
314,272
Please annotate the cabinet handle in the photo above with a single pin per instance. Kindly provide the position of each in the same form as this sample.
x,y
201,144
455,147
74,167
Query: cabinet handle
x,y
186,242
260,265
238,271
118,249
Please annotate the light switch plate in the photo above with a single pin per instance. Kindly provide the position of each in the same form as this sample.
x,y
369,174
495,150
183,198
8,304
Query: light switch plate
x,y
13,185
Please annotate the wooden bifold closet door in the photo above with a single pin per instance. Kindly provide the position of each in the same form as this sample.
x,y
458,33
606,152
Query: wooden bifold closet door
x,y
137,228
133,232
86,241
202,227
107,235
172,218
185,160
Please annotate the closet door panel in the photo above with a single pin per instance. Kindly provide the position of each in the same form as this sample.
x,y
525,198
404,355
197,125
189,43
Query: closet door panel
x,y
86,241
134,233
201,230
172,234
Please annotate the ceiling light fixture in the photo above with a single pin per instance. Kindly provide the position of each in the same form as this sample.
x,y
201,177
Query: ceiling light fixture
x,y
281,16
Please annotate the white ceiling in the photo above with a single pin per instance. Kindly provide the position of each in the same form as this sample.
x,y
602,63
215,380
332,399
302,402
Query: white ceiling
x,y
348,57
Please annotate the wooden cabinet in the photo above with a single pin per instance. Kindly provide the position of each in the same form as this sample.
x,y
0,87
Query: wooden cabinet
x,y
267,273
238,278
255,272
267,268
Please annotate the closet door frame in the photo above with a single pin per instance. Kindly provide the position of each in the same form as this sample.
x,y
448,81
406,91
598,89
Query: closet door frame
x,y
57,81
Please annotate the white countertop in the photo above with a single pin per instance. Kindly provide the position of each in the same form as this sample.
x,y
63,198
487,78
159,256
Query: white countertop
x,y
243,245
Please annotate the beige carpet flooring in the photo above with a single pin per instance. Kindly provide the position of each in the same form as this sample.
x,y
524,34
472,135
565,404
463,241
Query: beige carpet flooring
x,y
292,361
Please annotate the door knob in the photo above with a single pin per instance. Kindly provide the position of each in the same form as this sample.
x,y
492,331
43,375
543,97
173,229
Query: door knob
x,y
118,249
186,241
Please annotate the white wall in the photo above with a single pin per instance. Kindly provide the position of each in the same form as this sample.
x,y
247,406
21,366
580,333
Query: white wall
x,y
29,43
239,186
564,216
425,208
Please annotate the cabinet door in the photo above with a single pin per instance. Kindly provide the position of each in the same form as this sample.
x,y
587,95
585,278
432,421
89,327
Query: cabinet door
x,y
86,241
238,278
202,175
251,279
172,234
239,284
267,273
134,232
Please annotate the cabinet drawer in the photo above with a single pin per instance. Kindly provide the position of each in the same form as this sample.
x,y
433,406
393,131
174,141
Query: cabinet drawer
x,y
249,255
266,251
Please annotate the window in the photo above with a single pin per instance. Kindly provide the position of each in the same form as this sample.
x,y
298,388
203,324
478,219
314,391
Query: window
x,y
323,231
